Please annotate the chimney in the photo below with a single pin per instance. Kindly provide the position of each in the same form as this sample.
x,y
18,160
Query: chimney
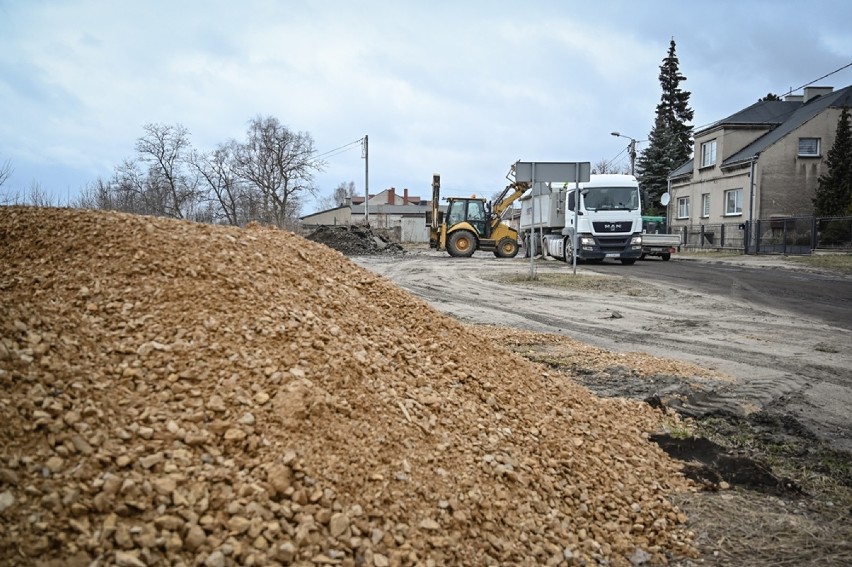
x,y
405,196
794,98
391,196
814,92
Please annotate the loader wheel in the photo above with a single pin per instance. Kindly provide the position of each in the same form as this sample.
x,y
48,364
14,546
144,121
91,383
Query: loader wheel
x,y
506,248
462,244
666,257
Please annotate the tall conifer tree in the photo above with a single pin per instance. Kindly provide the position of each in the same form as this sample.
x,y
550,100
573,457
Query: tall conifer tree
x,y
670,140
834,194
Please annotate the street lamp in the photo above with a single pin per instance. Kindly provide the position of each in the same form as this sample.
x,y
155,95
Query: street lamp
x,y
631,150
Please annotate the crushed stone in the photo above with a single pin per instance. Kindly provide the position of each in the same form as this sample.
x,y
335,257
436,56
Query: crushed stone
x,y
185,394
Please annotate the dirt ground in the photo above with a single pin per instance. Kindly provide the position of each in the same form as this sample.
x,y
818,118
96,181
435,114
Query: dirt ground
x,y
179,394
766,396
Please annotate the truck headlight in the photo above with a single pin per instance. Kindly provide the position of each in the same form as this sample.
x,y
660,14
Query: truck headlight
x,y
636,240
586,241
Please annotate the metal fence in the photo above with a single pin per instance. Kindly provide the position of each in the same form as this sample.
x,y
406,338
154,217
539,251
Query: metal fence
x,y
779,235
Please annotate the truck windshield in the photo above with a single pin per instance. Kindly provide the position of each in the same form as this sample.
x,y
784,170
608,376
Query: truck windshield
x,y
611,198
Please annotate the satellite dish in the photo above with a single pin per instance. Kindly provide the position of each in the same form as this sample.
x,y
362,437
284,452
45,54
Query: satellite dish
x,y
665,198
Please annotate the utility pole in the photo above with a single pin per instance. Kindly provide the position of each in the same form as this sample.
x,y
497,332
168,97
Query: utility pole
x,y
631,151
365,153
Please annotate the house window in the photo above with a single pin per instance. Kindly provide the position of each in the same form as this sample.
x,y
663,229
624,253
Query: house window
x,y
734,202
683,208
809,147
708,153
705,205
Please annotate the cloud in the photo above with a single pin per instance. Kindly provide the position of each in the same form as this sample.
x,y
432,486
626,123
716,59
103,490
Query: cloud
x,y
462,89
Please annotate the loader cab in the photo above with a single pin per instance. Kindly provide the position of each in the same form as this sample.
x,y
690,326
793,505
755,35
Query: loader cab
x,y
471,210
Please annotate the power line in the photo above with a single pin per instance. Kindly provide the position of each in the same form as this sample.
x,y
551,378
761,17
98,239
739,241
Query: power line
x,y
340,149
819,79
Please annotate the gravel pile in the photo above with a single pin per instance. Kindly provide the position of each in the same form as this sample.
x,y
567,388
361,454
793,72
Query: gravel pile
x,y
185,394
354,240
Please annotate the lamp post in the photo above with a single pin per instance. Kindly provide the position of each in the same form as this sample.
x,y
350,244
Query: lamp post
x,y
631,150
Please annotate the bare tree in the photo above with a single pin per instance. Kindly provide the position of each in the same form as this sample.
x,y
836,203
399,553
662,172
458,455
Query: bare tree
x,y
166,150
5,171
280,164
38,197
603,166
342,195
227,193
97,195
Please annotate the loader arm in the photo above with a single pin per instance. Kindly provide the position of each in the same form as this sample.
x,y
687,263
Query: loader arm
x,y
509,195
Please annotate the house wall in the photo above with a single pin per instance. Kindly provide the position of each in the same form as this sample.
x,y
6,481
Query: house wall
x,y
787,182
714,181
414,230
332,217
411,228
716,185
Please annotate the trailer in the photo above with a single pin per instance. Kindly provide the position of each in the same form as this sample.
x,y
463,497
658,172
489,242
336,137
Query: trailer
x,y
656,241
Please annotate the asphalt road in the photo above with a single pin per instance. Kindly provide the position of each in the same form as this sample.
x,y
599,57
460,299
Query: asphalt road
x,y
814,295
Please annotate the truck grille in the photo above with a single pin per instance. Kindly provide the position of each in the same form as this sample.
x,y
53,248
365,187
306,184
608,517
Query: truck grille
x,y
613,226
613,243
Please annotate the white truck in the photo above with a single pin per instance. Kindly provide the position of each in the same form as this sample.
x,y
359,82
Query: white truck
x,y
608,225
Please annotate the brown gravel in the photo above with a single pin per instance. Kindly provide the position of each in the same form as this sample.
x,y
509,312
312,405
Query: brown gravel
x,y
184,394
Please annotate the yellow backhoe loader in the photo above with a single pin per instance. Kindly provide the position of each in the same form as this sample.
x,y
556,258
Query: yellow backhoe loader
x,y
472,224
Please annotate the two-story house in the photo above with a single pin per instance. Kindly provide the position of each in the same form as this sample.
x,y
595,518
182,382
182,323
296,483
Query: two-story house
x,y
762,162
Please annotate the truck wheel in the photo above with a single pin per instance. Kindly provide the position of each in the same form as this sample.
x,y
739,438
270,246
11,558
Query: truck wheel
x,y
666,257
628,261
568,250
642,257
506,248
462,244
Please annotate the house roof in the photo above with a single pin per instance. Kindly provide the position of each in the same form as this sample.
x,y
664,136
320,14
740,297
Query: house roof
x,y
317,213
766,112
684,169
794,120
411,208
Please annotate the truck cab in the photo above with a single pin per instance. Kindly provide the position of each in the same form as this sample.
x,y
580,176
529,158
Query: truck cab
x,y
605,218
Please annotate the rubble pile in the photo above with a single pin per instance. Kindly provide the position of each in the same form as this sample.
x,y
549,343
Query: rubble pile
x,y
186,394
354,240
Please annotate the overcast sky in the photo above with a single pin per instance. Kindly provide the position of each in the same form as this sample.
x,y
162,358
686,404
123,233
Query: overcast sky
x,y
459,88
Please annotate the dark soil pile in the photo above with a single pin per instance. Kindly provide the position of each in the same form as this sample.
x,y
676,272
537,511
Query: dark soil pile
x,y
185,394
354,240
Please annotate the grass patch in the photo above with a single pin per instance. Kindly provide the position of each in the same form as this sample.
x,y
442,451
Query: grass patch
x,y
710,254
819,469
841,263
578,282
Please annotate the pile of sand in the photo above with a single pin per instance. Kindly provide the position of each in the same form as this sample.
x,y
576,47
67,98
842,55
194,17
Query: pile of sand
x,y
185,394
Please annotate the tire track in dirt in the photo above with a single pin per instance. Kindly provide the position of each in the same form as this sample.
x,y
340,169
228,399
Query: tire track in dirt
x,y
782,362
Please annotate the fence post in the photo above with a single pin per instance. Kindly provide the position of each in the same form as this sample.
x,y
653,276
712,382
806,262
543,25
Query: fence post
x,y
701,235
814,238
784,239
722,235
757,238
746,236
